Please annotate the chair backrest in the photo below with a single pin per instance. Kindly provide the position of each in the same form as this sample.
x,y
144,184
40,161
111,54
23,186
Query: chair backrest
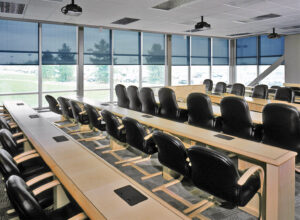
x,y
134,100
93,115
200,111
236,119
149,105
8,142
238,89
214,172
208,84
64,105
22,199
135,133
284,94
260,91
112,124
53,104
171,153
8,166
168,104
4,124
281,126
75,110
220,87
123,100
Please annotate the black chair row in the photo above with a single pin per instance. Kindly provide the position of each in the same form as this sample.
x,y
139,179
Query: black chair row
x,y
29,181
210,170
144,101
281,122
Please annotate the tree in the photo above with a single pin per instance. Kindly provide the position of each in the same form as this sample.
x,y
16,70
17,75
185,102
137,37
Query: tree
x,y
101,55
66,57
155,56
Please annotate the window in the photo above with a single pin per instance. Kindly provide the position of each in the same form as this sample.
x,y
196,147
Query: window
x,y
180,59
200,59
59,57
126,47
19,61
276,78
97,61
246,59
220,60
153,56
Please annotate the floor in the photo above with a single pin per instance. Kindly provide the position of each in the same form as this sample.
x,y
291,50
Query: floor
x,y
185,189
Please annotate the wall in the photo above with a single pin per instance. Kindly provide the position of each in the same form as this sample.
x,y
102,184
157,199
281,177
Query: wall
x,y
292,59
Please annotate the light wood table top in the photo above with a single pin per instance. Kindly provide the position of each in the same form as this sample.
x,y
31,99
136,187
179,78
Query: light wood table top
x,y
87,177
250,149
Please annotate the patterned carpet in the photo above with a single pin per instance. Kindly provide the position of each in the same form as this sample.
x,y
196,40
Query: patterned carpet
x,y
185,189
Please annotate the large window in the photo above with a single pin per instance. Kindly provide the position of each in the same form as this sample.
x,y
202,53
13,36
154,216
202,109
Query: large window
x,y
59,58
19,61
200,59
97,61
180,59
220,60
276,78
153,56
246,60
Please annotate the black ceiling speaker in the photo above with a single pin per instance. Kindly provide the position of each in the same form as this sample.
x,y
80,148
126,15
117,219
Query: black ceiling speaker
x,y
200,26
274,35
72,9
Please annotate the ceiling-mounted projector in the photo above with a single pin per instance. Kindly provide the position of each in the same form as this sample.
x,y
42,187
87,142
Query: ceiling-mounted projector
x,y
274,35
200,26
72,9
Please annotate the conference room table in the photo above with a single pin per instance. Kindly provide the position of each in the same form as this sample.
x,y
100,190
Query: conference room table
x,y
278,164
87,177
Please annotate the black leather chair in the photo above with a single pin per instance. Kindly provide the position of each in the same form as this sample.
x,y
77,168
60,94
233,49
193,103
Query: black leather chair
x,y
27,206
208,84
134,100
168,106
238,89
215,173
95,119
273,89
138,137
123,100
235,118
220,87
281,127
260,92
135,136
53,104
12,128
172,153
65,107
284,94
113,126
78,114
200,112
149,105
10,144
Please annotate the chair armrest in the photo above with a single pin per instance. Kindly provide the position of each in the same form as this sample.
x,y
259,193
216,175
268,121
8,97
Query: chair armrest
x,y
82,113
100,118
252,170
21,140
11,123
18,134
57,104
26,153
26,158
79,216
120,127
45,187
13,126
69,108
39,178
147,137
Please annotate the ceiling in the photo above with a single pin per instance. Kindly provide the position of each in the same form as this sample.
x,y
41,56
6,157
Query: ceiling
x,y
223,15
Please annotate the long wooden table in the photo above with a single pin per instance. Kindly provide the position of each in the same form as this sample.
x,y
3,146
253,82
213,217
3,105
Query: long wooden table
x,y
279,164
88,178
